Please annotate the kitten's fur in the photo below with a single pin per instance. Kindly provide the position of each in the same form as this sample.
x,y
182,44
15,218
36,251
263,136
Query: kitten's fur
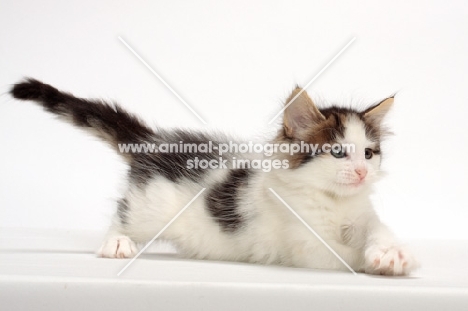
x,y
236,218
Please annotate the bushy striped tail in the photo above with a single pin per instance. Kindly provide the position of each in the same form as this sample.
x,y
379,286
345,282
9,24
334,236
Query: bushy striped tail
x,y
104,120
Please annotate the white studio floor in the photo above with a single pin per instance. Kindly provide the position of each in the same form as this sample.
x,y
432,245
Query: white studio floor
x,y
48,270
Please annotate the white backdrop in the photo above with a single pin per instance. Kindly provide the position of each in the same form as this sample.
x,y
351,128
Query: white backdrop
x,y
234,63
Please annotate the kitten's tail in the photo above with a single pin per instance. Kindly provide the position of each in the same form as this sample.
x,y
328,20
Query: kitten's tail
x,y
107,121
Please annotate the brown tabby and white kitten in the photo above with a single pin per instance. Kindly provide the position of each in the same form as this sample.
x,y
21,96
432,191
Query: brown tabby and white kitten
x,y
237,218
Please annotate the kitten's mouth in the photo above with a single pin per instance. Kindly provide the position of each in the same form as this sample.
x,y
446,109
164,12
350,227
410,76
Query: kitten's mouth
x,y
354,184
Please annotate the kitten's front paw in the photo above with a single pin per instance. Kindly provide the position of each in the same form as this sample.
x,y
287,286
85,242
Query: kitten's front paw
x,y
393,260
118,247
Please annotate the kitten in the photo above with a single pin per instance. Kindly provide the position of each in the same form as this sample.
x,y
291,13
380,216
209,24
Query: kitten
x,y
237,218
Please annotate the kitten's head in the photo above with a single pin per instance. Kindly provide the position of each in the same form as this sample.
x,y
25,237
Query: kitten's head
x,y
339,172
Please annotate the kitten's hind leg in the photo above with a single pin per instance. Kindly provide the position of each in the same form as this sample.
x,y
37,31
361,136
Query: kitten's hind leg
x,y
116,244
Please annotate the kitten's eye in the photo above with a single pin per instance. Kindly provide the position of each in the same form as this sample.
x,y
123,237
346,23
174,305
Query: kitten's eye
x,y
369,153
316,153
338,153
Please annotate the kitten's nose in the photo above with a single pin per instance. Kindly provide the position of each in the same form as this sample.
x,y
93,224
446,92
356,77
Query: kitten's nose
x,y
362,172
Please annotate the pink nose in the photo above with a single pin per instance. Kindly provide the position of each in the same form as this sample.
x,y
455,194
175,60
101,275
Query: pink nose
x,y
362,172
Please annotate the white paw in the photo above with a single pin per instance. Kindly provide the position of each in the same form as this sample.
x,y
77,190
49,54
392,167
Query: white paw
x,y
393,260
118,247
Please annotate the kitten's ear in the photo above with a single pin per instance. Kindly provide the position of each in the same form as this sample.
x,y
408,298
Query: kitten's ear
x,y
300,115
377,112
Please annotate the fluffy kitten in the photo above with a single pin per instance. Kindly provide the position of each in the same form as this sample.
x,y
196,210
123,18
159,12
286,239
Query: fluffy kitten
x,y
237,218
